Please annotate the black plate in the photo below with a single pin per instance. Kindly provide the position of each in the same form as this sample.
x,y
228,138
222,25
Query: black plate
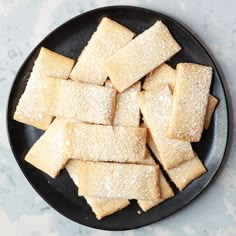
x,y
69,39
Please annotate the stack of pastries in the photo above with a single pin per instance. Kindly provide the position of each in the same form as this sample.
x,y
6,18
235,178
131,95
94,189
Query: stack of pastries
x,y
105,112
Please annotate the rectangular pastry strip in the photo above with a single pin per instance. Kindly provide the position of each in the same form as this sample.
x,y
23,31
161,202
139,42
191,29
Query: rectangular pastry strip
x,y
105,143
140,56
47,153
155,107
211,106
107,180
108,39
189,102
185,173
29,108
103,206
75,100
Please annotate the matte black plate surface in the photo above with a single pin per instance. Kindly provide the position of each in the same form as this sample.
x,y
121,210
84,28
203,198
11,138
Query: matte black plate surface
x,y
69,39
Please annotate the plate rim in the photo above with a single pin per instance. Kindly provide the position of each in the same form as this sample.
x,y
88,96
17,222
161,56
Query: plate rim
x,y
196,38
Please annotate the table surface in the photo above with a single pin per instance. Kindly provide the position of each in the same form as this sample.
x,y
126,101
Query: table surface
x,y
23,24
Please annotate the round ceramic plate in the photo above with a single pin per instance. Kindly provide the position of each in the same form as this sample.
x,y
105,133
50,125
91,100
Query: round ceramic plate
x,y
69,39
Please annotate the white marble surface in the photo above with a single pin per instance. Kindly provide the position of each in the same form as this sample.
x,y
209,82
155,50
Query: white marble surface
x,y
22,25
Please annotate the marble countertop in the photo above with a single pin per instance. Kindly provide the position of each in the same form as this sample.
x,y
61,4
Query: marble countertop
x,y
23,24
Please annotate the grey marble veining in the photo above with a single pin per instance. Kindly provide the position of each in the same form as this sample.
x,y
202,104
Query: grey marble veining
x,y
22,25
